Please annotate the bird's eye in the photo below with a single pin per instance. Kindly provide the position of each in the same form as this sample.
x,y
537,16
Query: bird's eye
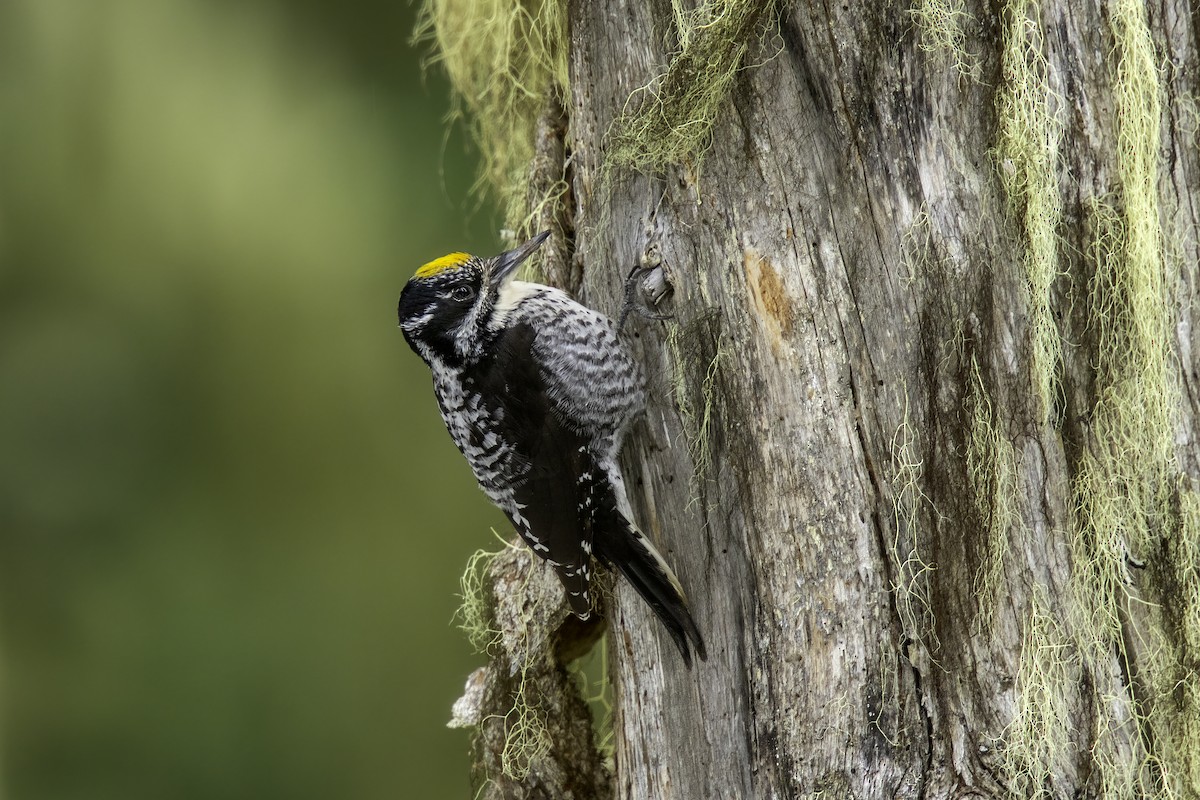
x,y
462,293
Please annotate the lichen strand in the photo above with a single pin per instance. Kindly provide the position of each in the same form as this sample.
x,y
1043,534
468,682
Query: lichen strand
x,y
697,352
1183,556
1039,741
1137,655
504,58
1183,683
910,505
1120,479
1123,484
943,25
526,739
534,733
1027,161
474,615
669,120
992,475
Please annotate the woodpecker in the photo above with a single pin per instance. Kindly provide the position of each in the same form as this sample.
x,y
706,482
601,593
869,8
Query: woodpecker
x,y
537,392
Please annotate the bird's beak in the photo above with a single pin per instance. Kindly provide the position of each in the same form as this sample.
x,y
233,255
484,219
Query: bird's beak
x,y
507,263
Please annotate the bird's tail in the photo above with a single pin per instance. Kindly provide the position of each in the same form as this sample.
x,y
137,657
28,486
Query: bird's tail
x,y
620,544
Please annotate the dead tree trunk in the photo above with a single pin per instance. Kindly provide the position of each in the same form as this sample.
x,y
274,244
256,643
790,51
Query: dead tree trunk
x,y
922,441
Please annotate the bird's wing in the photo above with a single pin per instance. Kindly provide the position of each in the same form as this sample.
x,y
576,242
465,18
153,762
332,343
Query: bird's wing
x,y
557,401
550,493
591,379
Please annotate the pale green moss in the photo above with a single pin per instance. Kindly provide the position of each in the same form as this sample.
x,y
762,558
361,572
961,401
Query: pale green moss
x,y
669,120
1121,479
1179,685
527,738
1184,684
915,246
890,697
1188,112
1186,561
1027,162
504,59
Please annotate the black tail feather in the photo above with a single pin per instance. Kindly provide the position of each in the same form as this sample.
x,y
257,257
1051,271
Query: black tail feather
x,y
667,605
622,546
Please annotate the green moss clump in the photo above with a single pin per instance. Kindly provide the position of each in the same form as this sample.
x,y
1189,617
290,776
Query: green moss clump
x,y
670,119
504,59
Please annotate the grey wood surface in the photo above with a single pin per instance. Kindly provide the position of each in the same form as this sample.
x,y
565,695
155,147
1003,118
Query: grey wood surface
x,y
845,435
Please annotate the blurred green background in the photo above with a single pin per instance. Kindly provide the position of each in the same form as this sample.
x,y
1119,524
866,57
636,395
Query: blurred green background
x,y
231,524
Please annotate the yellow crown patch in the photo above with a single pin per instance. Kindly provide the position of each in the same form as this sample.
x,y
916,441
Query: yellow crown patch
x,y
442,264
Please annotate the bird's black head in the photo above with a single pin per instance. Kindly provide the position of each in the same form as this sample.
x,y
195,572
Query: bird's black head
x,y
446,307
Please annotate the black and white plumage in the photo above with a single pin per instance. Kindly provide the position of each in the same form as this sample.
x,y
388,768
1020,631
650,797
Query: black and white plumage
x,y
537,391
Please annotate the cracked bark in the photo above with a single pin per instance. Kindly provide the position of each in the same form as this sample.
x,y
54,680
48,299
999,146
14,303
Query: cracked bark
x,y
840,260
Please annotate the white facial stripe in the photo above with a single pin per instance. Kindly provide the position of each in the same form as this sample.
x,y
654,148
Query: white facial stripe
x,y
413,324
510,296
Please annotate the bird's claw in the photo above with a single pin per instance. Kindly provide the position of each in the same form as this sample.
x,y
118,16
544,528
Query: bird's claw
x,y
644,286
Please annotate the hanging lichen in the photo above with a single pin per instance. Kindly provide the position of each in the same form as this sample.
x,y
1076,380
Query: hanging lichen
x,y
1027,162
503,58
1039,740
669,120
912,569
992,473
943,25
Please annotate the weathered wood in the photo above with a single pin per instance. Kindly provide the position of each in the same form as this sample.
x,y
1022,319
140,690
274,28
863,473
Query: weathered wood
x,y
922,433
533,732
847,456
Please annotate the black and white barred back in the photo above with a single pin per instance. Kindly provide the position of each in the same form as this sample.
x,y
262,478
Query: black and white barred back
x,y
537,391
